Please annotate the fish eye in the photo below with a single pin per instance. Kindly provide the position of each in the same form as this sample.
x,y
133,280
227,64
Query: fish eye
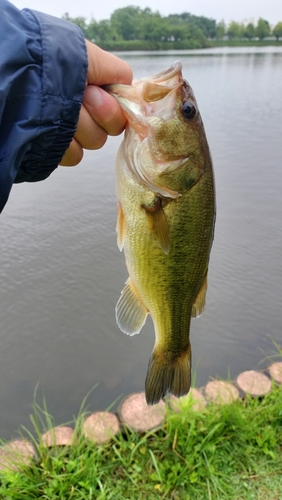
x,y
188,110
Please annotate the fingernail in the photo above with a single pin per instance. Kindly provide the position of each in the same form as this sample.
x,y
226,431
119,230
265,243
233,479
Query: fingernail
x,y
93,96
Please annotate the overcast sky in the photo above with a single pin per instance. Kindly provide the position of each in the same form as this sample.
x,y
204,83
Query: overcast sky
x,y
237,10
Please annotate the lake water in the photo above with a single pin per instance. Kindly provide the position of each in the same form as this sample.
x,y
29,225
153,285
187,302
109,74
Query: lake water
x,y
61,271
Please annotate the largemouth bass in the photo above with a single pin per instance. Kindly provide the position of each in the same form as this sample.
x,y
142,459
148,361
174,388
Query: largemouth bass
x,y
166,215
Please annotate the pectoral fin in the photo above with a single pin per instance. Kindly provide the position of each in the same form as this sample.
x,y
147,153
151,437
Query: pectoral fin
x,y
158,223
131,313
120,228
200,301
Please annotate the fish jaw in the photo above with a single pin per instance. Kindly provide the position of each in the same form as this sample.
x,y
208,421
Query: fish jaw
x,y
148,96
158,138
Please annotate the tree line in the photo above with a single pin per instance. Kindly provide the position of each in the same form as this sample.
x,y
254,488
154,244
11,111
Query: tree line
x,y
135,28
240,31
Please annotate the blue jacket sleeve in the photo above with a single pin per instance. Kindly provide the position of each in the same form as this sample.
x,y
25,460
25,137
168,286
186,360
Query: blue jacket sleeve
x,y
43,72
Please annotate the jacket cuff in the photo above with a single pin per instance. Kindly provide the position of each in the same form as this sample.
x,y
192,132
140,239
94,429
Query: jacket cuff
x,y
64,72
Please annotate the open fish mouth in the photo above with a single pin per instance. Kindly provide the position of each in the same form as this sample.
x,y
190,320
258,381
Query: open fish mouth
x,y
147,90
164,75
146,102
150,96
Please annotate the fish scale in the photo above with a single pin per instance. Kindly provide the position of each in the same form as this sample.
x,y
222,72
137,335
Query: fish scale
x,y
165,222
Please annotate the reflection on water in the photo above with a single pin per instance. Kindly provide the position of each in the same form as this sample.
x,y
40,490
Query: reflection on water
x,y
61,272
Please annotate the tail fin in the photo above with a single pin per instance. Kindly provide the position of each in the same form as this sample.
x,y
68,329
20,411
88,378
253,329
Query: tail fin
x,y
165,375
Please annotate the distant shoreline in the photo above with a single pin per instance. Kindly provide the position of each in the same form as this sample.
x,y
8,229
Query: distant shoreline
x,y
140,45
246,43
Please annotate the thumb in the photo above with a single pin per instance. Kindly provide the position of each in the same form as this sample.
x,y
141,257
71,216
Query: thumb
x,y
105,68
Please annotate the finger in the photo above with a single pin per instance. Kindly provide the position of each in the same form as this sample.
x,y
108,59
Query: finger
x,y
88,133
104,110
105,68
73,155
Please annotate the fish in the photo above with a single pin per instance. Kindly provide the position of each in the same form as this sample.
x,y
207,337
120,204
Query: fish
x,y
165,225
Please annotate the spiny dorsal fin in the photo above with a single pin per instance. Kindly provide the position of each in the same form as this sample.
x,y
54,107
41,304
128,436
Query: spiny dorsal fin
x,y
200,301
120,228
158,223
131,313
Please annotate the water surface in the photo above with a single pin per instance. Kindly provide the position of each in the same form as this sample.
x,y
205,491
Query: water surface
x,y
61,271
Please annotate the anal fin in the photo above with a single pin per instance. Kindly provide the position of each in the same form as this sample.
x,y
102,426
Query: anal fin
x,y
200,301
131,313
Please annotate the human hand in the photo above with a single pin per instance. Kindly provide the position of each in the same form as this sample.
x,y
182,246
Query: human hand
x,y
100,114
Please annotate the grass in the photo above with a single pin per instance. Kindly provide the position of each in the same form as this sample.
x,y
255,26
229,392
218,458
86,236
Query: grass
x,y
224,452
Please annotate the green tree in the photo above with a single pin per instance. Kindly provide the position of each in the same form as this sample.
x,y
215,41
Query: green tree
x,y
91,31
277,30
195,35
249,31
187,27
262,29
220,30
206,25
105,32
126,22
151,26
235,30
132,24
